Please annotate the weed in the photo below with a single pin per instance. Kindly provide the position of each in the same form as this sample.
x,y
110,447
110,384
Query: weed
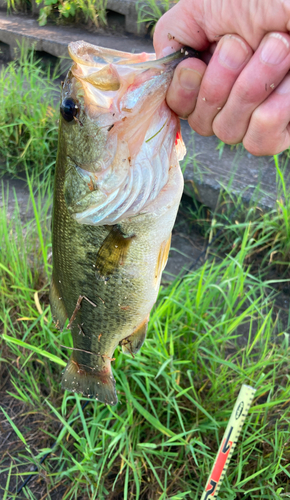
x,y
28,121
269,230
221,146
76,10
18,5
150,11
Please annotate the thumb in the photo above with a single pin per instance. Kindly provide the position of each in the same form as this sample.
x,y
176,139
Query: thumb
x,y
179,27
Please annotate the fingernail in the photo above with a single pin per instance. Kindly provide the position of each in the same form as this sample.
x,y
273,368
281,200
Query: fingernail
x,y
284,87
189,79
275,49
233,52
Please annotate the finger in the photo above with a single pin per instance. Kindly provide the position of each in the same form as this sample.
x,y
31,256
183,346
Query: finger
x,y
269,129
177,27
184,88
265,70
193,22
230,57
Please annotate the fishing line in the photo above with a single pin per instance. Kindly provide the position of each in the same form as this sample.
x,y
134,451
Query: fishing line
x,y
36,468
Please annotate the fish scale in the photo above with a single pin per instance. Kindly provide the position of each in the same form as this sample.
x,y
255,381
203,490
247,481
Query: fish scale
x,y
114,266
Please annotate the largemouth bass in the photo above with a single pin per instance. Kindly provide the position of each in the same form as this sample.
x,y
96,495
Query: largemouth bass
x,y
117,189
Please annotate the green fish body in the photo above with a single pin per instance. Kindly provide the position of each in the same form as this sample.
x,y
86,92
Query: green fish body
x,y
117,189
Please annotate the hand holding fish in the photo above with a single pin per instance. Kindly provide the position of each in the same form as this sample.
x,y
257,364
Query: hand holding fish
x,y
241,90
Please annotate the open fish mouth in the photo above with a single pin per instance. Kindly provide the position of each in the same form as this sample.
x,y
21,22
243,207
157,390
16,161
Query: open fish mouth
x,y
105,68
113,106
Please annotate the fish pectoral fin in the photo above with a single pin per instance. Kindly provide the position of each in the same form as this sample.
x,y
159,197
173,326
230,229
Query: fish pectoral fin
x,y
112,252
133,343
91,383
58,310
162,258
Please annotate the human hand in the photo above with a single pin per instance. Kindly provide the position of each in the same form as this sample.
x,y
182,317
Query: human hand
x,y
240,91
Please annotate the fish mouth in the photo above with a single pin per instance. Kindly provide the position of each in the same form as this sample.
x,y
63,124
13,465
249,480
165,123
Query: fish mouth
x,y
97,57
104,68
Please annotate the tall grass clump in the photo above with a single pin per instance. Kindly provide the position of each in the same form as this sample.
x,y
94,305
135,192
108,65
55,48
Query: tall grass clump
x,y
28,118
150,11
209,333
269,229
87,11
18,5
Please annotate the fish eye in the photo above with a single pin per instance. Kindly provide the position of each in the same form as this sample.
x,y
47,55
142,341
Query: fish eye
x,y
68,109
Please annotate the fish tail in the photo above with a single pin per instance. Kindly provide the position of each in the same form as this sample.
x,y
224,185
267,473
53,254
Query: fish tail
x,y
95,384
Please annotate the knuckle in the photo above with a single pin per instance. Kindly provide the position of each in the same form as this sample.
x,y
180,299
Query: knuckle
x,y
260,146
198,124
264,135
224,133
256,149
245,95
263,118
211,95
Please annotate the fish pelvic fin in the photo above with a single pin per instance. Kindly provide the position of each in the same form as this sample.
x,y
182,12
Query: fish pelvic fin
x,y
133,343
99,385
58,310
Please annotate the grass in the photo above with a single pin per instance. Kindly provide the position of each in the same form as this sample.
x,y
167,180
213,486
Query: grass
x,y
150,11
269,229
18,5
29,118
209,332
77,11
90,12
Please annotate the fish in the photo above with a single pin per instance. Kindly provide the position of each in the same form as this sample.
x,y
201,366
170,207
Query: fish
x,y
117,189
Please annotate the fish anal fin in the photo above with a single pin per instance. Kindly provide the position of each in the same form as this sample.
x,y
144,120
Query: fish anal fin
x,y
112,252
58,310
162,258
133,343
92,383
